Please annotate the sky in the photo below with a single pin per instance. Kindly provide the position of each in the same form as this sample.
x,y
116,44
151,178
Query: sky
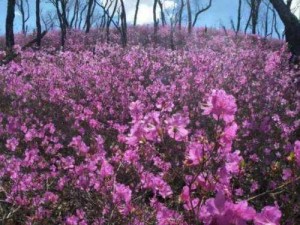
x,y
221,12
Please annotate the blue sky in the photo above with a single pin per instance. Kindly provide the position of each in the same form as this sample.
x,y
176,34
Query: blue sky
x,y
221,12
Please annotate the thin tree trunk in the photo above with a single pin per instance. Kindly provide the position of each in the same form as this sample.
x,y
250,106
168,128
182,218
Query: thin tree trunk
x,y
201,11
239,17
189,12
136,12
267,20
162,14
155,21
291,23
38,23
123,25
88,16
180,14
10,40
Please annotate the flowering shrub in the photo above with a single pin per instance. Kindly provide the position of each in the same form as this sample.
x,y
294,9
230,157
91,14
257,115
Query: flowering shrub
x,y
204,134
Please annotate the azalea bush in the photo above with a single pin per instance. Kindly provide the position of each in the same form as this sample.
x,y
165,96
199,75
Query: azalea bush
x,y
207,133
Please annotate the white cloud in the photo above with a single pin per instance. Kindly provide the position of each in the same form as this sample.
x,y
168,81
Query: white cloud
x,y
169,4
145,13
17,13
296,7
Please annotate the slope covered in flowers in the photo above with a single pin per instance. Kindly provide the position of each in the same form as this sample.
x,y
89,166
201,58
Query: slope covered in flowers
x,y
205,133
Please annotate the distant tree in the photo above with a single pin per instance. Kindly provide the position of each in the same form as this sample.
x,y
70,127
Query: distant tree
x,y
180,13
136,12
10,40
123,30
61,11
200,11
193,21
189,12
239,16
38,23
109,15
291,24
254,6
162,13
89,15
155,19
23,7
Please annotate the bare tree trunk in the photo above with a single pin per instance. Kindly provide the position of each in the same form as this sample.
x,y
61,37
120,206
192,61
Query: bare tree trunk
x,y
62,24
162,14
267,20
136,12
291,23
189,12
38,23
254,13
89,16
155,21
201,11
10,40
239,17
180,14
123,25
75,14
24,15
109,20
81,16
64,12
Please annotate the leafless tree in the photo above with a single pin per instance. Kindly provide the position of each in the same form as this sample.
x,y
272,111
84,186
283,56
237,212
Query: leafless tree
x,y
155,20
10,16
180,13
254,6
89,15
61,11
192,22
136,12
75,13
109,15
38,23
239,16
123,30
189,12
202,10
162,13
23,7
291,24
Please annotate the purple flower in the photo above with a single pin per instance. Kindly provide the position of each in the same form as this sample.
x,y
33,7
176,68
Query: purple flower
x,y
195,153
176,127
221,105
122,197
12,144
270,215
297,152
79,144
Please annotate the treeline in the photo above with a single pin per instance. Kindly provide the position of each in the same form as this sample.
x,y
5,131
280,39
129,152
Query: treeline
x,y
107,14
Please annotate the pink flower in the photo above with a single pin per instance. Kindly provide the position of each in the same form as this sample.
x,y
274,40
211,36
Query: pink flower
x,y
122,198
195,153
136,110
221,105
176,127
297,152
106,169
218,210
12,144
79,144
269,215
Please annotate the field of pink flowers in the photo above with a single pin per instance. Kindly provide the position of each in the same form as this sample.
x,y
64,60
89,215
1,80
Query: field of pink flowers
x,y
206,133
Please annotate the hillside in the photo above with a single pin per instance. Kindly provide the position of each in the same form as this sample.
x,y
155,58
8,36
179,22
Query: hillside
x,y
204,130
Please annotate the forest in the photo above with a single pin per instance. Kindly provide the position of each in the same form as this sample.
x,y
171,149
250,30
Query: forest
x,y
105,120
